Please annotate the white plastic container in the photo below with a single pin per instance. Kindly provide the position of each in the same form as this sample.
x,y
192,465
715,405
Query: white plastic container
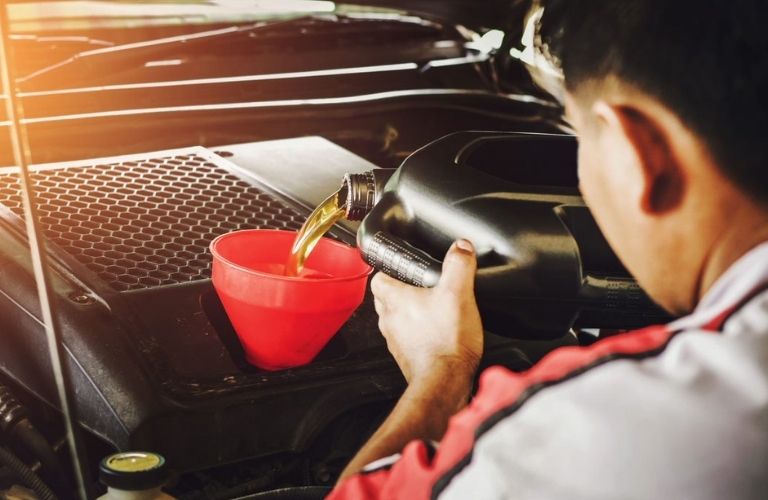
x,y
151,494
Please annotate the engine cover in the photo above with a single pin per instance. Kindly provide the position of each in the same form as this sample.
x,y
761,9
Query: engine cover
x,y
154,360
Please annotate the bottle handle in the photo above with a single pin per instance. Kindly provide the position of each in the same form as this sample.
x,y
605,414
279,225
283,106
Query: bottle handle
x,y
397,258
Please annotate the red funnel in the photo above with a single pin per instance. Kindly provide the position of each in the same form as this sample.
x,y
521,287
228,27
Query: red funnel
x,y
285,321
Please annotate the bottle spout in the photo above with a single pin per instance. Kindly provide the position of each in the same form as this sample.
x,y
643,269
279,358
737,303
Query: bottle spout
x,y
360,192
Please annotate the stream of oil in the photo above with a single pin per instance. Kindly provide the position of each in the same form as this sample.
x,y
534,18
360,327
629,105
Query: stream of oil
x,y
317,224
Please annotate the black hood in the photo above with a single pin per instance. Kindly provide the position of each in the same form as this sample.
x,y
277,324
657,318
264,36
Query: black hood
x,y
472,13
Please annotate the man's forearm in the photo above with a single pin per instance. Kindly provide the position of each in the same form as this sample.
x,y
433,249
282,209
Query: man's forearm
x,y
422,412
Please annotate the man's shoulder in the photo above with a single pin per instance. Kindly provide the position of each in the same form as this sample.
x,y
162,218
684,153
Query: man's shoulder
x,y
682,417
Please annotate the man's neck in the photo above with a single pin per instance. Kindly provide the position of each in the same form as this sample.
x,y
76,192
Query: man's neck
x,y
745,232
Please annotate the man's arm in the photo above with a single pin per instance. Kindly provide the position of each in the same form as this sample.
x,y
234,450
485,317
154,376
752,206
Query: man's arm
x,y
436,338
422,412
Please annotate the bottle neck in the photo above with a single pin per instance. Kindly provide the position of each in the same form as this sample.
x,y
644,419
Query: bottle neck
x,y
360,192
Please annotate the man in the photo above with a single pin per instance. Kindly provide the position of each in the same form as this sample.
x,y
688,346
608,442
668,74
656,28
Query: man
x,y
669,99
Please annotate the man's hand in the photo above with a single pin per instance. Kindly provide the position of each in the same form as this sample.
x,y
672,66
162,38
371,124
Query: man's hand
x,y
436,338
431,330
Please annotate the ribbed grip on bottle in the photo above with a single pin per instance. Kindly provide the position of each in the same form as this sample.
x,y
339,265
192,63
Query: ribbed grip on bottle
x,y
398,259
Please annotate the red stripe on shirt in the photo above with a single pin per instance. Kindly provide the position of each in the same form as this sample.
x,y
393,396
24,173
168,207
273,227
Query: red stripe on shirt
x,y
415,476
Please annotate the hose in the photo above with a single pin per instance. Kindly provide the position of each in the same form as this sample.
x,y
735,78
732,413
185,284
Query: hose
x,y
15,424
25,475
26,434
11,411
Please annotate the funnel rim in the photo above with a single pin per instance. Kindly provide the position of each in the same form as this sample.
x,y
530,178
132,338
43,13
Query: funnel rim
x,y
335,279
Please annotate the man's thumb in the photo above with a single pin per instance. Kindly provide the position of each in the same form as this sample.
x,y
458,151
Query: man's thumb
x,y
459,268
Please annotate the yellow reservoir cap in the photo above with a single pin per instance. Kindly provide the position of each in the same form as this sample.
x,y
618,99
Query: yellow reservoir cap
x,y
133,470
134,461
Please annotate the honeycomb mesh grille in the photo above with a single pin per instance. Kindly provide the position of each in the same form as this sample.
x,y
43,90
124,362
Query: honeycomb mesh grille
x,y
147,222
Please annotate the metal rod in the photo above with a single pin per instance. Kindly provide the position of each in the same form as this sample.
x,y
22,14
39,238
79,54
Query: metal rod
x,y
21,155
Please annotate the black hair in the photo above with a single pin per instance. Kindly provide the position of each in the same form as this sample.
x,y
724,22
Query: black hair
x,y
707,60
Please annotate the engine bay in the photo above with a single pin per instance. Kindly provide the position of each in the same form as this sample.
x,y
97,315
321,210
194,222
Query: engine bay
x,y
147,141
154,358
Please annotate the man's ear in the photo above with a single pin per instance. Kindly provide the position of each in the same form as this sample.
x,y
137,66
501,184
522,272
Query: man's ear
x,y
663,179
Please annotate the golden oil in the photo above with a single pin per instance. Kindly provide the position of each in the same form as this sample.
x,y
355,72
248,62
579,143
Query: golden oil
x,y
317,224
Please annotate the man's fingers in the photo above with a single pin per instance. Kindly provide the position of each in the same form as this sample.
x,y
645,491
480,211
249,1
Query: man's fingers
x,y
382,285
459,268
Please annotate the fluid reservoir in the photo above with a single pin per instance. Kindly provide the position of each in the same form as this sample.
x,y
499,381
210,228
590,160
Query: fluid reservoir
x,y
134,475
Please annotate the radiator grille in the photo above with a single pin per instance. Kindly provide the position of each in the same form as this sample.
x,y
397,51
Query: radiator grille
x,y
147,222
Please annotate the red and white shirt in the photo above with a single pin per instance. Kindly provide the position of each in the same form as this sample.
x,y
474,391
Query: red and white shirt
x,y
675,411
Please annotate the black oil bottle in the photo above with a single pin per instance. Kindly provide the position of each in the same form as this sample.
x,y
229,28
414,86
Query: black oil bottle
x,y
543,264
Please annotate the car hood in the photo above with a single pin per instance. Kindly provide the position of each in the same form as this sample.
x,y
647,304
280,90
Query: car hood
x,y
474,13
471,13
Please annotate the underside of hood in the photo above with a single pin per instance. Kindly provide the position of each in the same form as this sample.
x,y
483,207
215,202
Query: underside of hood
x,y
26,15
472,13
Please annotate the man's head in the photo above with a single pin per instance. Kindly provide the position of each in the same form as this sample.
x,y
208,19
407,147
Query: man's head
x,y
669,99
